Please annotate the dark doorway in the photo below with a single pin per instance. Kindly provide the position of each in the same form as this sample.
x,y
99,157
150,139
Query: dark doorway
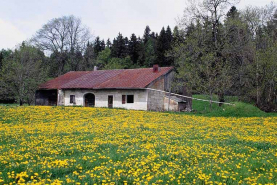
x,y
89,100
110,101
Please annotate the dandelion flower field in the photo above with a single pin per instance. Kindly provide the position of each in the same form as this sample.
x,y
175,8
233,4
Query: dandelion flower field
x,y
78,145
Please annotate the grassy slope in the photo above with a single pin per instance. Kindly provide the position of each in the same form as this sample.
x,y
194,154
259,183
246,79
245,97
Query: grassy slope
x,y
240,109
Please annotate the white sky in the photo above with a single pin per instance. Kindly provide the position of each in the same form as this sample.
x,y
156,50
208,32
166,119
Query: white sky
x,y
20,19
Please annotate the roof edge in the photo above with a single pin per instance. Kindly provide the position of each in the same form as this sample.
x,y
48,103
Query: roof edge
x,y
131,88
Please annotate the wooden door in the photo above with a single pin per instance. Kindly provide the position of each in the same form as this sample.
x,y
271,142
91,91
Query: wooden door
x,y
110,101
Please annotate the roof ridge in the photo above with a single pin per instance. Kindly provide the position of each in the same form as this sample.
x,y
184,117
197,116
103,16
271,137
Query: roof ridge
x,y
119,69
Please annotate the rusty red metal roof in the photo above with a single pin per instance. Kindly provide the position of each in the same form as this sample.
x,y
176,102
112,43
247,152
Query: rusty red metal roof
x,y
56,83
106,79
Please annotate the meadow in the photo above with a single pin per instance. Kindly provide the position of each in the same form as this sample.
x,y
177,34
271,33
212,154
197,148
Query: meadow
x,y
79,145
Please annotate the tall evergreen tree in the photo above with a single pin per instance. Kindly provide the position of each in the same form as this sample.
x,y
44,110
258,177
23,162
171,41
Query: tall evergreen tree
x,y
97,46
161,43
168,46
147,34
233,13
126,41
164,45
133,49
168,33
119,49
89,57
150,53
1,59
108,44
103,45
154,36
114,48
177,38
141,51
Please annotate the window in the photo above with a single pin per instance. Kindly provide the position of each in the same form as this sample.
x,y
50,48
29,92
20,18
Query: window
x,y
72,98
130,98
123,99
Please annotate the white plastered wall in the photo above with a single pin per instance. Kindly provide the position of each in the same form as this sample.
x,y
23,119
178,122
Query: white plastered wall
x,y
101,98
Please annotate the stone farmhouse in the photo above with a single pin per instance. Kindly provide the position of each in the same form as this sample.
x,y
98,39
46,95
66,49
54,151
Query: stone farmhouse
x,y
139,89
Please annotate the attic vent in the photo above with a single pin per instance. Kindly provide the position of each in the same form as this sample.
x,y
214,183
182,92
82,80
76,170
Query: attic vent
x,y
156,68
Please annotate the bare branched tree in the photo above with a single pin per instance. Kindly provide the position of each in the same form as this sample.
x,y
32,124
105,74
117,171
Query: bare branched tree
x,y
62,34
258,16
66,39
202,10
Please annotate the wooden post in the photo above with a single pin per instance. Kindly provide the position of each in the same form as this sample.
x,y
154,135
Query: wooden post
x,y
169,98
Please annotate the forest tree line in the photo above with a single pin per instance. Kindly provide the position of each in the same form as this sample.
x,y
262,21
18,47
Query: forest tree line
x,y
212,53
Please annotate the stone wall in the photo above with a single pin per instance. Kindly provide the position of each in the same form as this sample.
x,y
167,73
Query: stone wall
x,y
101,98
60,97
155,100
173,105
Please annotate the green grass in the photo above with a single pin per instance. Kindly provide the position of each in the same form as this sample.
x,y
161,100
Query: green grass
x,y
100,145
239,109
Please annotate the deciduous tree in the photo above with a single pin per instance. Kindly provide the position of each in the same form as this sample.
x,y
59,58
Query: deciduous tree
x,y
23,72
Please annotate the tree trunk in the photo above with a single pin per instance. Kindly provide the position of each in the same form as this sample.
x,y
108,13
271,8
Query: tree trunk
x,y
20,102
221,98
186,92
211,99
29,101
257,83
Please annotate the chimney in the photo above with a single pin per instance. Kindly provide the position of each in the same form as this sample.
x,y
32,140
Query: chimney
x,y
156,68
95,68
